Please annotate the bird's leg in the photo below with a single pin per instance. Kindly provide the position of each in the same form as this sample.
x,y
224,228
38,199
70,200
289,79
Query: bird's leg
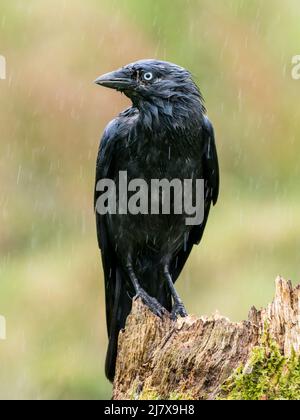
x,y
178,308
149,301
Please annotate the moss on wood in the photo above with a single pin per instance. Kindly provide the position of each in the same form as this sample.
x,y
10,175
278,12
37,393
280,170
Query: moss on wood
x,y
267,376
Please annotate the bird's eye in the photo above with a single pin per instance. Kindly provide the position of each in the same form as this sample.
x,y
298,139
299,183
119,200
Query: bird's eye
x,y
148,76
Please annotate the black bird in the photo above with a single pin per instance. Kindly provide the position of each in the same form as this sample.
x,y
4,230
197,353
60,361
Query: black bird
x,y
164,135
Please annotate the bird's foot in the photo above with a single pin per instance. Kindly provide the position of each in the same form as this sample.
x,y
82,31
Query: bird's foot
x,y
178,311
155,307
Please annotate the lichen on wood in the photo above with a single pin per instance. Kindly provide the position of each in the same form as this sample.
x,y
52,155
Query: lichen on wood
x,y
195,358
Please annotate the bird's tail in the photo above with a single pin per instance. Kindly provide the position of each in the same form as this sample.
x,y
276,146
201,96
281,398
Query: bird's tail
x,y
122,305
120,311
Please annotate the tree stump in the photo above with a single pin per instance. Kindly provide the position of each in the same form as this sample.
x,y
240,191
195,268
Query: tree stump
x,y
192,358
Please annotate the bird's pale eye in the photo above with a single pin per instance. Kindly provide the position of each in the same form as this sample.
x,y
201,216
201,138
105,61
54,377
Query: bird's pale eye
x,y
148,76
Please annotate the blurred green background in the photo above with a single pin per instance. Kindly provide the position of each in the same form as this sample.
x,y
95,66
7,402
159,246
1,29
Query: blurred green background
x,y
51,119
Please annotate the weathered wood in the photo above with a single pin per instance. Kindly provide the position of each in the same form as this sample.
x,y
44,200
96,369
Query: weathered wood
x,y
193,357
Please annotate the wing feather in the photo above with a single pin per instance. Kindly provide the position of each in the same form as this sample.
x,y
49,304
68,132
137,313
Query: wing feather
x,y
212,184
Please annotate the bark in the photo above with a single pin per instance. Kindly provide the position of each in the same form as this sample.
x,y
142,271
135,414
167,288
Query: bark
x,y
193,357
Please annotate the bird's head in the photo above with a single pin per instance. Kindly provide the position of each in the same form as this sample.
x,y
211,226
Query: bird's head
x,y
152,81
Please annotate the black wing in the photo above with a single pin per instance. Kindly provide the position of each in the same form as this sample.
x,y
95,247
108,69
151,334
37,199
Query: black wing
x,y
211,163
104,169
118,303
212,181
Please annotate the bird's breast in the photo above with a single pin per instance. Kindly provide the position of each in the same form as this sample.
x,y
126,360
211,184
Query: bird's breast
x,y
152,158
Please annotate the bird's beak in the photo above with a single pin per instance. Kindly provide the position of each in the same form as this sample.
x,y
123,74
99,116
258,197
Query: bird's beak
x,y
119,80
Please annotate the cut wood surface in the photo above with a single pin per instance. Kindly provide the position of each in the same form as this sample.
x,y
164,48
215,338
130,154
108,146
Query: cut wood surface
x,y
193,357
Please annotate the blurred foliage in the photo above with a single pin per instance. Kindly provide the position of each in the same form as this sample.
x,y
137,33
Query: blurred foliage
x,y
51,287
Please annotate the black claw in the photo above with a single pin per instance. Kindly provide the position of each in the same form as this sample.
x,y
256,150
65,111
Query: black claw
x,y
179,311
155,307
